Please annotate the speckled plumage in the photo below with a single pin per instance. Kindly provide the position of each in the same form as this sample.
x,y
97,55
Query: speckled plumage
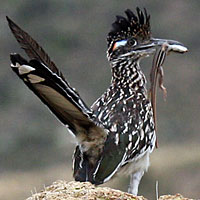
x,y
125,111
118,131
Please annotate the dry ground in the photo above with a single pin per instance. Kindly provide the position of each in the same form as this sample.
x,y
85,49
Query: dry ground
x,y
176,168
61,190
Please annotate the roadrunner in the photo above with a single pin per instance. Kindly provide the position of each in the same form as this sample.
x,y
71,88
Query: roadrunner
x,y
118,132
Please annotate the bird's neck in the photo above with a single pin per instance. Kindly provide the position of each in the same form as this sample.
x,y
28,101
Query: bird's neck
x,y
128,73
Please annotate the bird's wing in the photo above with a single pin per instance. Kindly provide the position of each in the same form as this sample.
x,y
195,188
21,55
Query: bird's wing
x,y
42,76
130,136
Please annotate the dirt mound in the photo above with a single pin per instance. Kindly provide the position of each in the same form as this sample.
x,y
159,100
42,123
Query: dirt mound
x,y
61,190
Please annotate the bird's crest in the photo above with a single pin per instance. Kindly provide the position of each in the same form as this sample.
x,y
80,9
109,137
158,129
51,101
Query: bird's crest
x,y
135,25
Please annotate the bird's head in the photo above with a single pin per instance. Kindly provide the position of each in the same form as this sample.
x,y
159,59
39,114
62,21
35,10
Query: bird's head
x,y
131,38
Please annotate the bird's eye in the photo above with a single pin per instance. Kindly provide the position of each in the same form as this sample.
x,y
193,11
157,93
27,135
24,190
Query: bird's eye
x,y
131,42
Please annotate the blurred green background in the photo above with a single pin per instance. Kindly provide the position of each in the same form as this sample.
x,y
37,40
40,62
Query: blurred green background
x,y
35,149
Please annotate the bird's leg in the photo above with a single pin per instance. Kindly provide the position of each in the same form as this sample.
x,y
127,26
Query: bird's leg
x,y
134,182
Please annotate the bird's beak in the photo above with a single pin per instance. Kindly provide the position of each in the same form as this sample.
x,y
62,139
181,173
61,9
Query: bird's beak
x,y
172,45
169,45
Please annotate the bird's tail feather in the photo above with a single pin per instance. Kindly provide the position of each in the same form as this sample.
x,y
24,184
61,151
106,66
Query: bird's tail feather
x,y
42,76
31,47
59,97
